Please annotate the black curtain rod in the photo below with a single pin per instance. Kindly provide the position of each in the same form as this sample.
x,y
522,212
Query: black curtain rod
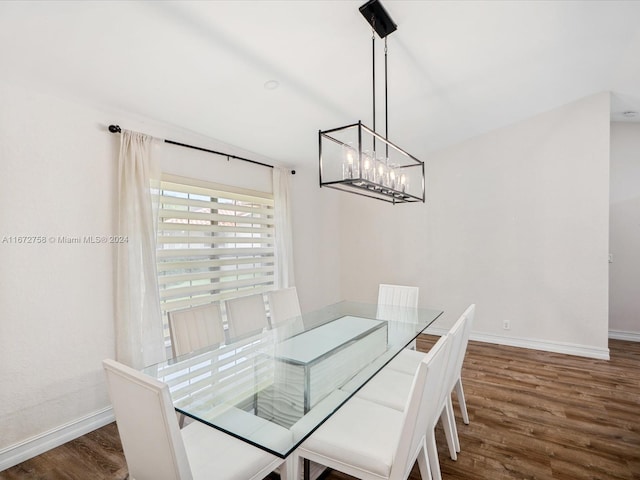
x,y
117,129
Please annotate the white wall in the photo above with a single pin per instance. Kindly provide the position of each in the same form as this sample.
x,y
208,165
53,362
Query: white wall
x,y
58,179
516,221
58,168
624,272
316,240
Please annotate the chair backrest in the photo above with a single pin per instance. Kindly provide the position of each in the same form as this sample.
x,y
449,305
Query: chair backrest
x,y
470,314
246,315
283,304
456,333
147,423
422,409
195,328
398,295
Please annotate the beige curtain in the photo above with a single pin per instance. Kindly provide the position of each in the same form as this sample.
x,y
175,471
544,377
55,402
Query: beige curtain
x,y
284,239
139,330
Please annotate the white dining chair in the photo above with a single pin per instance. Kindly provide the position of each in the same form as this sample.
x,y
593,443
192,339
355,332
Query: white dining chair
x,y
283,305
398,296
246,315
195,328
390,387
407,362
370,441
470,313
155,448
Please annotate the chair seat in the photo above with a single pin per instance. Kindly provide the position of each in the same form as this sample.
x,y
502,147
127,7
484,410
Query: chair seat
x,y
215,454
362,435
251,426
406,361
317,414
390,388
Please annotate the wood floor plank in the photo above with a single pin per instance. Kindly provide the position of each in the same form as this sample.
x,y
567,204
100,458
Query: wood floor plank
x,y
534,415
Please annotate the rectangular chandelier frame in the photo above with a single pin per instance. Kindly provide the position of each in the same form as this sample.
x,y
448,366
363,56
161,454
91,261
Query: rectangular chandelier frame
x,y
356,159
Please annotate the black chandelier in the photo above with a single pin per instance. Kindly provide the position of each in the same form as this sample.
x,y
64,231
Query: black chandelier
x,y
357,159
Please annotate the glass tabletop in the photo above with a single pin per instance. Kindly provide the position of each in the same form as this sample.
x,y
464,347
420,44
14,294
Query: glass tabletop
x,y
273,388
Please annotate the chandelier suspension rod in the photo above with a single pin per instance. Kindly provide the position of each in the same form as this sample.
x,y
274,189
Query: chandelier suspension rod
x,y
373,63
386,103
386,89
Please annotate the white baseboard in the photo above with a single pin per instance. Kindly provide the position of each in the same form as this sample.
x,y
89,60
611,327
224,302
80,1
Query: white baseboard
x,y
556,347
19,452
623,335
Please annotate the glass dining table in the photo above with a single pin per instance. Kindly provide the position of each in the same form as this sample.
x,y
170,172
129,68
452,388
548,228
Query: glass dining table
x,y
272,389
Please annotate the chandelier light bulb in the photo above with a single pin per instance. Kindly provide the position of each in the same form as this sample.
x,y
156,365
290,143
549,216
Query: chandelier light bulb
x,y
350,167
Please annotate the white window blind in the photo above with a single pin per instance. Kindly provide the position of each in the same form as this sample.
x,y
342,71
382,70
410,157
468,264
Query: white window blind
x,y
214,243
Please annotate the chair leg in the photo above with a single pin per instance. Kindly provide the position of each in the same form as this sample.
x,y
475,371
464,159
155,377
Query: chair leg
x,y
454,428
287,470
432,454
448,424
293,470
462,401
423,463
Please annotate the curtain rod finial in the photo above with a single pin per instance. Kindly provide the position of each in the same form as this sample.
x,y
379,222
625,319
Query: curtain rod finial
x,y
115,129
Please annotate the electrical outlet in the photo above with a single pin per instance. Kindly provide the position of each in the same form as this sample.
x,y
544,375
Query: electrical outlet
x,y
506,325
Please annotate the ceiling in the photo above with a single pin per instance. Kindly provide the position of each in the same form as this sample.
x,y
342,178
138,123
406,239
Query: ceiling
x,y
456,68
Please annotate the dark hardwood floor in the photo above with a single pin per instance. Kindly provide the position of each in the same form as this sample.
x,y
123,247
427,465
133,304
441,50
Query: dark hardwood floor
x,y
534,415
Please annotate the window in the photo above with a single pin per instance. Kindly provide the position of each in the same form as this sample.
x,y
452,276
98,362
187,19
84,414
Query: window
x,y
214,243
